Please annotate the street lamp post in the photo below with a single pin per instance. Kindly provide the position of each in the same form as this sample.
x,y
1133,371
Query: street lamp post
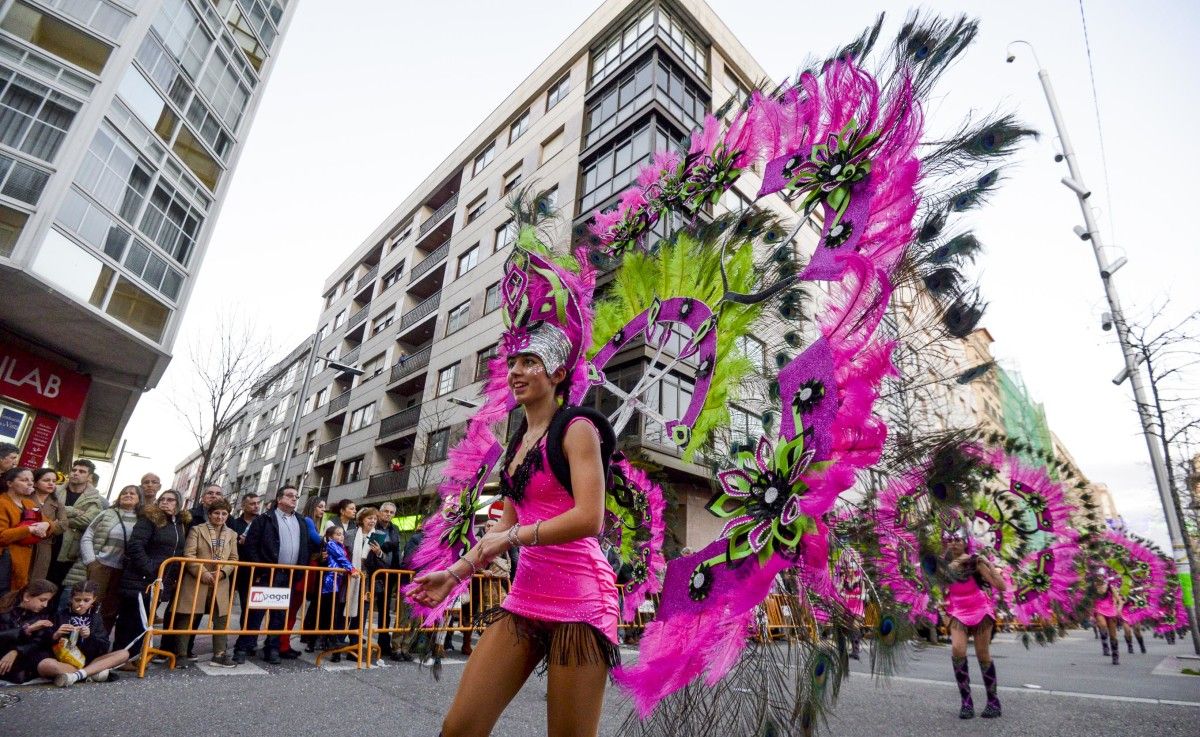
x,y
117,466
1090,232
294,427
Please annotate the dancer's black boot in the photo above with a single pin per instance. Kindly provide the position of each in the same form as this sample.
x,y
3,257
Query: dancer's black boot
x,y
1129,643
992,710
1141,642
963,677
1104,642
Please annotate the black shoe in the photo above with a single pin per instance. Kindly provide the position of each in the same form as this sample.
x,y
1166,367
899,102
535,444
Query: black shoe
x,y
239,657
335,658
310,648
272,657
290,655
193,657
991,711
966,712
401,657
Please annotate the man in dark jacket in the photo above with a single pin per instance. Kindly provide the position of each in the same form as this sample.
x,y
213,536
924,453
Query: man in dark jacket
x,y
251,505
211,493
277,537
386,590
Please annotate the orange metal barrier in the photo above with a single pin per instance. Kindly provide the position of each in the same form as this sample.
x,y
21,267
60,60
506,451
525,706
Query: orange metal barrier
x,y
390,610
222,594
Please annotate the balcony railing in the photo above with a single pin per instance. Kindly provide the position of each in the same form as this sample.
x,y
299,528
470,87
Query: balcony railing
x,y
429,262
388,482
326,452
350,358
358,317
368,277
421,311
410,364
438,215
338,403
405,419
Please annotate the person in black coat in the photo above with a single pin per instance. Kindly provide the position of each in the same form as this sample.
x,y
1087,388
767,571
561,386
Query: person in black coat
x,y
386,587
278,537
160,533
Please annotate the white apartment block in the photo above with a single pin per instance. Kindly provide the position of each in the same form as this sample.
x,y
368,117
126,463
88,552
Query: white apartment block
x,y
121,123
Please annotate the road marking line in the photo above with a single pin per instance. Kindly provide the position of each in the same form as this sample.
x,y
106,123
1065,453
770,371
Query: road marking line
x,y
245,669
1078,694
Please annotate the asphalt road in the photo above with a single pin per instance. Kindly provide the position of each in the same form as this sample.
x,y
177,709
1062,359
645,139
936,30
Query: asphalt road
x,y
1081,695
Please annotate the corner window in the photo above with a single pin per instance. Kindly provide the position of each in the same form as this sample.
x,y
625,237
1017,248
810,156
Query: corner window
x,y
518,127
362,417
483,359
476,208
558,91
467,260
393,276
506,234
352,470
755,350
457,318
340,320
491,298
552,145
483,159
437,445
512,179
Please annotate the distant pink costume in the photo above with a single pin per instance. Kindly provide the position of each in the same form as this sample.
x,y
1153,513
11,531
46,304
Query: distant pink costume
x,y
1107,606
569,582
968,603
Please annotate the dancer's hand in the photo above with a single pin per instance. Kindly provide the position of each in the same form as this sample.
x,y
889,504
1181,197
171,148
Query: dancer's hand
x,y
6,663
489,547
434,588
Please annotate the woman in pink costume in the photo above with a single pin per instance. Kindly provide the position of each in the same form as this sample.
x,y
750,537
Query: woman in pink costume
x,y
562,610
1107,611
972,612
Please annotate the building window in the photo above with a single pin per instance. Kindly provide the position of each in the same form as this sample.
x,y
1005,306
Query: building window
x,y
483,159
351,470
476,208
171,222
372,368
33,118
678,94
323,333
60,39
340,320
467,260
321,398
616,165
447,379
694,53
393,276
620,100
362,417
512,179
437,445
755,350
744,429
671,400
552,145
491,298
558,91
548,201
405,232
457,319
622,45
114,173
518,127
483,358
383,322
506,234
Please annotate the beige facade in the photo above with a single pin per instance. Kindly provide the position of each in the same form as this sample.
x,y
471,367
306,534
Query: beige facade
x,y
985,390
415,305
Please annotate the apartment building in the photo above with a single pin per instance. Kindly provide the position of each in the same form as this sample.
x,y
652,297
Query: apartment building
x,y
415,307
121,123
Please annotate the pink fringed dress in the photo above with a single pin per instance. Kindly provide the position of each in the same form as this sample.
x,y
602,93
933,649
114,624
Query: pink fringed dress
x,y
559,589
1106,606
968,603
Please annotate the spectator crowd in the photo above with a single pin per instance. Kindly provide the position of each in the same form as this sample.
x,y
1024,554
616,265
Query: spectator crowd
x,y
76,575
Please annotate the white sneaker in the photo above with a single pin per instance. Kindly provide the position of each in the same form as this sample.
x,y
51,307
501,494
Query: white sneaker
x,y
62,680
100,677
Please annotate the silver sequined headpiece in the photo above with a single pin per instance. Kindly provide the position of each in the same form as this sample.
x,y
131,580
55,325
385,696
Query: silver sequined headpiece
x,y
543,340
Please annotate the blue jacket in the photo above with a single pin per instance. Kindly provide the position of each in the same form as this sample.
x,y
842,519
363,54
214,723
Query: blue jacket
x,y
337,559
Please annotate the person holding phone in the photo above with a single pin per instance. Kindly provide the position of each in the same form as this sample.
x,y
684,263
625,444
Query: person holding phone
x,y
21,525
365,555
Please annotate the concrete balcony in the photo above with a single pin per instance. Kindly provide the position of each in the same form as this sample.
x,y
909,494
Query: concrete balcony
x,y
327,452
438,216
358,318
367,278
389,482
338,404
423,310
429,262
409,365
404,420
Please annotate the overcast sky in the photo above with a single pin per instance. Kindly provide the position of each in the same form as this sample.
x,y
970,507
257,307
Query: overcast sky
x,y
362,105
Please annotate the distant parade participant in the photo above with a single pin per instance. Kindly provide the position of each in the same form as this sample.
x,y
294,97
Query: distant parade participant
x,y
972,611
1107,611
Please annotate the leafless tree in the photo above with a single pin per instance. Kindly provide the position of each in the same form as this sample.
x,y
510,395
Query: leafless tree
x,y
424,476
1170,351
226,362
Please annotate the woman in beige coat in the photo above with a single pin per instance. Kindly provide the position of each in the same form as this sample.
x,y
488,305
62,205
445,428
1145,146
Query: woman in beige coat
x,y
214,542
45,481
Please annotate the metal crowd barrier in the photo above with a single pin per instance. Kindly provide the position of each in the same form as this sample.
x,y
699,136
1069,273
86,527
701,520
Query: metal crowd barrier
x,y
381,605
262,593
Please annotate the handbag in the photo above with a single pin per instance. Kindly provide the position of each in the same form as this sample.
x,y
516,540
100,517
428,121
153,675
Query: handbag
x,y
29,517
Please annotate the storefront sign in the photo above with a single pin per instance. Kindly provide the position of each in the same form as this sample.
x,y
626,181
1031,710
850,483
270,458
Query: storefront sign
x,y
37,444
42,384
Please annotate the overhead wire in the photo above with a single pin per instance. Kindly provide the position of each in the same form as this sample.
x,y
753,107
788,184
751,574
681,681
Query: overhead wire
x,y
1099,128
